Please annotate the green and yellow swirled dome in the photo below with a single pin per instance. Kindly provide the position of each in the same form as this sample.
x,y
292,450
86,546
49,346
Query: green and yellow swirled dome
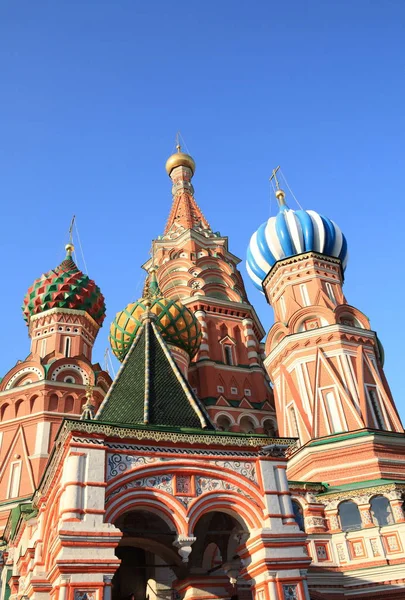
x,y
176,323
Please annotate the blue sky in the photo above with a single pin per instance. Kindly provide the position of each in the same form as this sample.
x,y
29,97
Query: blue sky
x,y
91,96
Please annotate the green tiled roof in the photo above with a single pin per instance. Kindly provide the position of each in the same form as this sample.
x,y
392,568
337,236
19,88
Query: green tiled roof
x,y
150,389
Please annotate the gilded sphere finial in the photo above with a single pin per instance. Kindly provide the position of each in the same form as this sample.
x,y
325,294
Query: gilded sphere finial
x,y
69,248
180,159
280,195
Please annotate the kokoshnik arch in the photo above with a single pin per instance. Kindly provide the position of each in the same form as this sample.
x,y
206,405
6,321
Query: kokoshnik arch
x,y
213,466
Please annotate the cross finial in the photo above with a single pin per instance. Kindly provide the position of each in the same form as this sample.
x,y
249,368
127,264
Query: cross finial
x,y
69,246
274,176
178,145
280,194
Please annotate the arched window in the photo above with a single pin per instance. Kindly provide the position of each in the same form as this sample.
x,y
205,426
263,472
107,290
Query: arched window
x,y
349,515
298,515
381,511
247,425
228,354
270,428
223,423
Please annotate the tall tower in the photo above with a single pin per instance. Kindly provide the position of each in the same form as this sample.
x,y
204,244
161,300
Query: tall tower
x,y
194,264
321,354
64,310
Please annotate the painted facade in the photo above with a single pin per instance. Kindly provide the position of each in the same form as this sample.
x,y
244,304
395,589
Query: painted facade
x,y
191,476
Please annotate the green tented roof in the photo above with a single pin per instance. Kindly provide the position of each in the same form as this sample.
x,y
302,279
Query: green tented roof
x,y
150,389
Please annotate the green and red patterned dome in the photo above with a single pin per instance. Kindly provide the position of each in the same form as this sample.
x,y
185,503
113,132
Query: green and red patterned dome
x,y
64,287
175,322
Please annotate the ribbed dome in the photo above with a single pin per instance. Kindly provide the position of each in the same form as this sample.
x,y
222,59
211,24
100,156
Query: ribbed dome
x,y
176,323
289,233
64,287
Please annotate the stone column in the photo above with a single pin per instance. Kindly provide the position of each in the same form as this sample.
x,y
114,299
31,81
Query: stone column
x,y
204,350
396,502
72,498
365,515
332,516
251,342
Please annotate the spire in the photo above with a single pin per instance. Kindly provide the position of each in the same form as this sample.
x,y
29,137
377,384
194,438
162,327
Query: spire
x,y
185,212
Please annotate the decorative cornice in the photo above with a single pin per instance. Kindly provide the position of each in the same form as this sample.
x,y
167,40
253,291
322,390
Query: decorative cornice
x,y
105,430
65,311
338,328
362,494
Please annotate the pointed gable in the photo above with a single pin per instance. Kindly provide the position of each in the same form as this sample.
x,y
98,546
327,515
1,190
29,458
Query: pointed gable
x,y
150,389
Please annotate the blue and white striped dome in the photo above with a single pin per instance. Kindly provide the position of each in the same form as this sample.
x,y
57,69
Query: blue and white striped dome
x,y
292,232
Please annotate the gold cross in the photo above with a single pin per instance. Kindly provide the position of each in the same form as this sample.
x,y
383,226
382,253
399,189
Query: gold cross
x,y
71,229
178,146
274,176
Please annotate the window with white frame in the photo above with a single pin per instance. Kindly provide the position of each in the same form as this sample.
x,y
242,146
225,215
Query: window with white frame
x,y
330,292
234,390
247,392
375,402
293,422
67,347
282,306
43,348
335,420
228,353
304,294
14,481
220,389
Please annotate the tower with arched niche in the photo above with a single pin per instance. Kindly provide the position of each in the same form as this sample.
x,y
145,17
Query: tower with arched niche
x,y
194,265
64,310
347,471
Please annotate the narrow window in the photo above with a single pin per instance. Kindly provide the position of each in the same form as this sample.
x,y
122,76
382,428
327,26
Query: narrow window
x,y
67,347
282,306
85,349
304,295
330,292
228,355
333,412
43,348
375,403
293,422
14,482
298,515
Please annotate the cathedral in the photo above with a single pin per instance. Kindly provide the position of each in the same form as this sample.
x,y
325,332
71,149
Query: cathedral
x,y
215,465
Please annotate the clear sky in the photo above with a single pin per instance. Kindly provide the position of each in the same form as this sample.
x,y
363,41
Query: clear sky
x,y
92,93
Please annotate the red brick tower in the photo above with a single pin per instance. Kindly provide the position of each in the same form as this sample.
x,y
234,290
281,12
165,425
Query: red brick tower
x,y
64,310
194,264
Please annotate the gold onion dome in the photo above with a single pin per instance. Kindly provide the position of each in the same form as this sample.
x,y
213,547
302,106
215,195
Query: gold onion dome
x,y
175,322
180,159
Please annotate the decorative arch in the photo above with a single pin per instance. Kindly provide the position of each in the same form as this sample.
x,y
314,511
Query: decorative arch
x,y
325,315
251,416
243,510
359,319
276,334
153,500
80,367
21,373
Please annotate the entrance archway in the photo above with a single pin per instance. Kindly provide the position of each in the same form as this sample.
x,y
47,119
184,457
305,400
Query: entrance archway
x,y
149,562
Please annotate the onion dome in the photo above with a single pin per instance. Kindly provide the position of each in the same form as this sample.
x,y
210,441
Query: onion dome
x,y
175,322
180,159
65,287
289,233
